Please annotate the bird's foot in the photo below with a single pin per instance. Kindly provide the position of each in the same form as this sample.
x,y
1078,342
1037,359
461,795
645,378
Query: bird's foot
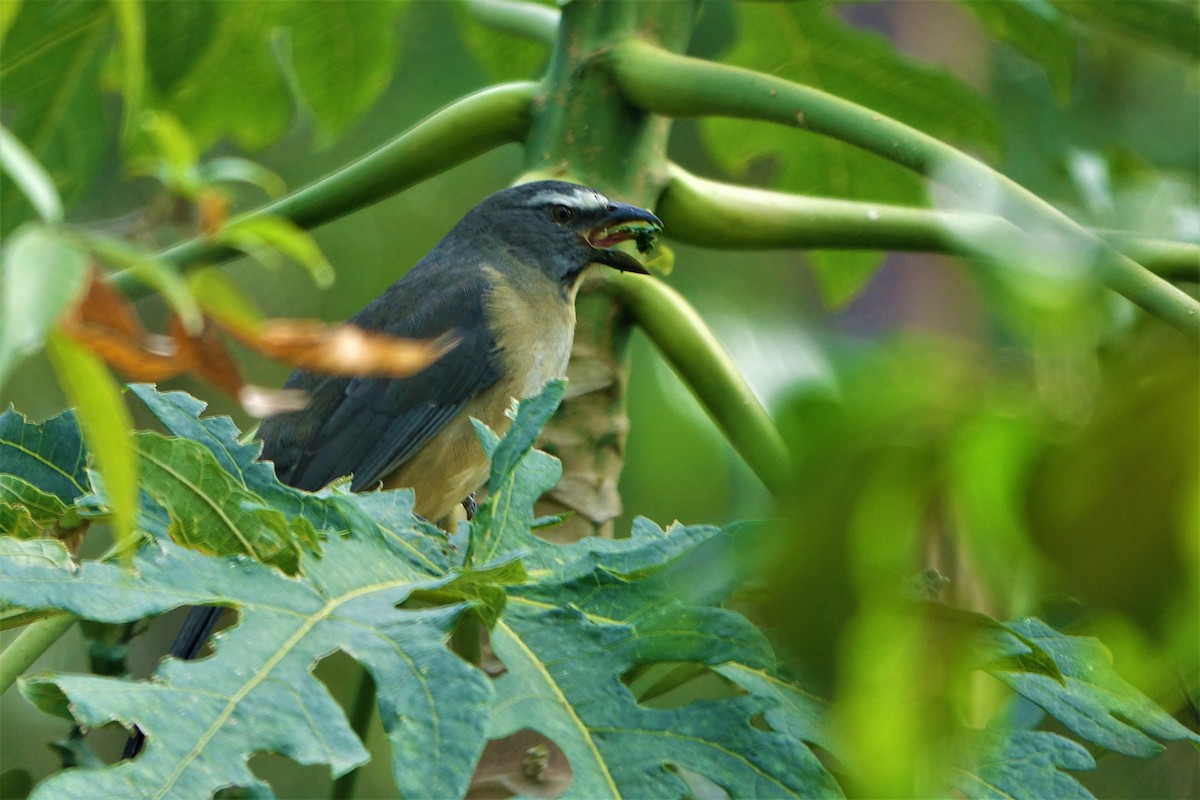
x,y
470,506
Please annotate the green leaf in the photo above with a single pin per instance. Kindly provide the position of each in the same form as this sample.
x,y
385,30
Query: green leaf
x,y
106,424
1037,30
48,455
25,510
803,42
177,154
239,170
595,609
131,26
842,274
342,55
30,177
43,274
503,56
15,783
211,510
388,513
177,34
1095,703
258,236
52,102
256,692
1025,764
1168,24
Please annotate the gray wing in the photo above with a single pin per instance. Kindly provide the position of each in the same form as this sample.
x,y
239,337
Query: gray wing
x,y
370,426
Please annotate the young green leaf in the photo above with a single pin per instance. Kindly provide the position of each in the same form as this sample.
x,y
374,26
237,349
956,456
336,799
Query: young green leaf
x,y
106,425
30,177
43,274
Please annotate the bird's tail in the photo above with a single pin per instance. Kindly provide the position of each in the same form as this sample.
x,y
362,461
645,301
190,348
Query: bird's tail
x,y
192,636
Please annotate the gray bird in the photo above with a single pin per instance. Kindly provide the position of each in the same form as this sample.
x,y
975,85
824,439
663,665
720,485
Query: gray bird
x,y
503,281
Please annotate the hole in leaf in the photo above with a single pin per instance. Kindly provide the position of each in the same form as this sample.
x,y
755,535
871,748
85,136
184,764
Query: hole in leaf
x,y
699,787
673,684
525,764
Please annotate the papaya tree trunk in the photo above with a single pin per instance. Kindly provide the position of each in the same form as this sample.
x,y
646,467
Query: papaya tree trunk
x,y
584,131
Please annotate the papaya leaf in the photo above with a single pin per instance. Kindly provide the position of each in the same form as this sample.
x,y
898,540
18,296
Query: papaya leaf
x,y
26,510
591,612
1025,764
256,692
48,455
1093,701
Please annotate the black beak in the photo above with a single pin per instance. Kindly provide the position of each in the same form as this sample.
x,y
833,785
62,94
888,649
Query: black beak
x,y
618,225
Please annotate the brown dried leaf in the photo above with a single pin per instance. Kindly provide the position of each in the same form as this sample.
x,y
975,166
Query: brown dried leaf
x,y
342,349
105,323
206,356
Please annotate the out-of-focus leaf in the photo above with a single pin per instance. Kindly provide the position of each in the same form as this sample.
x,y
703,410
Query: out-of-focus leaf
x,y
48,455
44,273
1095,703
802,42
52,101
106,424
842,274
131,27
591,612
8,13
343,349
504,56
240,170
222,300
1037,30
30,177
175,162
992,642
1169,24
258,236
15,783
1025,764
342,56
176,35
154,272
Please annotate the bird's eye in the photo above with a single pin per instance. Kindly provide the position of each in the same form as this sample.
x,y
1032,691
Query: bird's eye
x,y
562,214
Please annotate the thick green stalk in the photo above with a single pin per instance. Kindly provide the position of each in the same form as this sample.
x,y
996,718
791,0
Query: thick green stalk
x,y
527,20
29,646
694,352
713,214
462,130
665,83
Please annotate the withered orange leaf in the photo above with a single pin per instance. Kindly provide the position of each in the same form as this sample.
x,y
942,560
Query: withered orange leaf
x,y
342,349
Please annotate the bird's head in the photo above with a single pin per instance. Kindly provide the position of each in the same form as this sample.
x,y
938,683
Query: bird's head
x,y
563,227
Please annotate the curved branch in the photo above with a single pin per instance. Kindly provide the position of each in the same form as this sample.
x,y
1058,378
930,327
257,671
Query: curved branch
x,y
527,20
462,130
694,352
29,646
709,213
661,82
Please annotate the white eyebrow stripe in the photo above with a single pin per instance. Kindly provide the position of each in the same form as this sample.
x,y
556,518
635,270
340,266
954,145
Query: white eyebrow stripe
x,y
582,199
